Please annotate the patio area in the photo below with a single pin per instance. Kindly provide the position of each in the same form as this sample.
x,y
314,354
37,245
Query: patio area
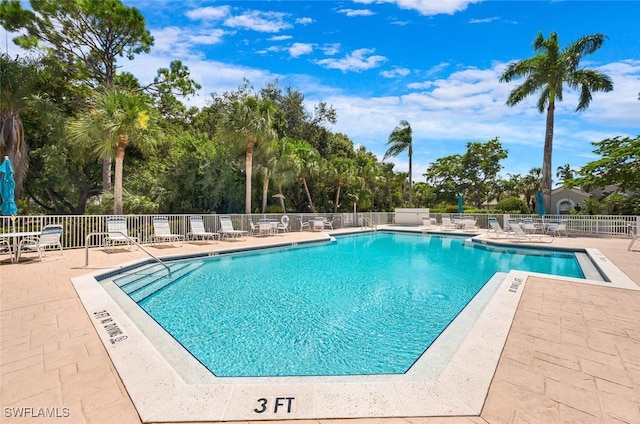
x,y
572,353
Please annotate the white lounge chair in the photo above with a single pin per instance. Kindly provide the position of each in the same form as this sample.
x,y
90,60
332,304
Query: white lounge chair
x,y
634,236
118,233
198,232
427,224
447,224
497,230
519,234
227,231
50,236
162,232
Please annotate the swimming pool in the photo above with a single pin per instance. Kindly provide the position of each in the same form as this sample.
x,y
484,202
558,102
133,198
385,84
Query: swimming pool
x,y
365,304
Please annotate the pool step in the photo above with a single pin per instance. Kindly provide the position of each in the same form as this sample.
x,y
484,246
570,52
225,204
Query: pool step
x,y
588,268
142,286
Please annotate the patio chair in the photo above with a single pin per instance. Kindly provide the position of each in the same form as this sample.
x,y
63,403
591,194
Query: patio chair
x,y
328,223
228,232
254,230
162,232
427,224
559,229
118,233
49,238
283,225
520,234
198,231
5,248
305,224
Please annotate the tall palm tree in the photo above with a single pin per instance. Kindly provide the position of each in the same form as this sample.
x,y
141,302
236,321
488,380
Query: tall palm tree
x,y
116,119
306,161
247,121
400,140
341,171
547,72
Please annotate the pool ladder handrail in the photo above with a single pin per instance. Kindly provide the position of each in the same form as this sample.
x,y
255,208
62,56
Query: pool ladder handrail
x,y
366,220
86,248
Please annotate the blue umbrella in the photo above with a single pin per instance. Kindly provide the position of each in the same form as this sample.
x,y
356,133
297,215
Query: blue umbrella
x,y
7,189
540,203
460,209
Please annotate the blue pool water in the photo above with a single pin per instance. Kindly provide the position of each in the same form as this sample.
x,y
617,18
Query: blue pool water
x,y
366,304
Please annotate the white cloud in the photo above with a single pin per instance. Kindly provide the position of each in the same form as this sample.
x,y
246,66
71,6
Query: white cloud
x,y
358,61
330,49
304,21
209,13
356,12
259,21
396,72
208,37
299,49
428,7
280,38
483,20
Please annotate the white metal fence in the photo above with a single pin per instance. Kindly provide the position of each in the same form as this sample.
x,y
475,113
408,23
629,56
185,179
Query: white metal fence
x,y
76,228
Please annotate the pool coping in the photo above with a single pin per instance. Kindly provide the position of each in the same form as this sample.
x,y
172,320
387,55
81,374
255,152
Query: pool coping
x,y
160,394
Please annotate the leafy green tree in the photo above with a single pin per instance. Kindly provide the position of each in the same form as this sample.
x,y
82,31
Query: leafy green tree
x,y
85,36
546,73
530,185
512,205
246,121
116,120
619,165
480,168
401,139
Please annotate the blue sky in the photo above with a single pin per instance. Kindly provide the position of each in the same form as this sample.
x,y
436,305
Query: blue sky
x,y
435,64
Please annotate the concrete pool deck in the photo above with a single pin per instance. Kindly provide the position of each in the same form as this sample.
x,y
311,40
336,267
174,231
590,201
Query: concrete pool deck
x,y
572,353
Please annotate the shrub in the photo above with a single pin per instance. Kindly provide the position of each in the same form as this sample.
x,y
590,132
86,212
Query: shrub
x,y
512,205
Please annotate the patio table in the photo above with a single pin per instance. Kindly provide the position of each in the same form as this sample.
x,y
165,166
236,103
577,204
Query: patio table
x,y
15,237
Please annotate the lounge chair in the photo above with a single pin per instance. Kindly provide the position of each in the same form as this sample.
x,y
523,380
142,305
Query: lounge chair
x,y
118,233
227,231
469,224
446,224
49,237
497,230
162,232
519,234
198,231
427,224
634,236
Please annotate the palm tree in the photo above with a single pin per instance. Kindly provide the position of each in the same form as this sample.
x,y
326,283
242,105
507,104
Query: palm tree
x,y
306,161
247,121
547,72
117,119
400,140
564,172
341,171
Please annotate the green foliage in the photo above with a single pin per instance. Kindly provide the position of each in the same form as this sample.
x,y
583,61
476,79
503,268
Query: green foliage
x,y
512,205
619,165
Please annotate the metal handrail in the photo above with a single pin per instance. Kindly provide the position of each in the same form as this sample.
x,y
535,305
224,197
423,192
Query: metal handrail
x,y
86,248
